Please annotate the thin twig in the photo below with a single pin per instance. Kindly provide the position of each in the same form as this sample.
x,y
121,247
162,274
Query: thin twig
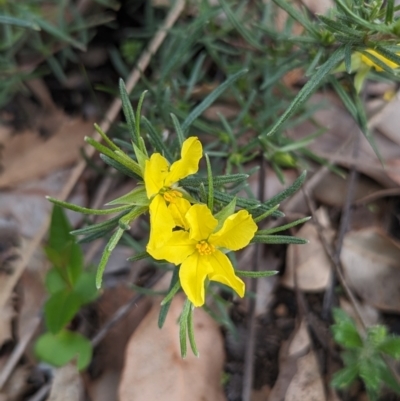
x,y
124,310
18,351
336,265
248,370
343,227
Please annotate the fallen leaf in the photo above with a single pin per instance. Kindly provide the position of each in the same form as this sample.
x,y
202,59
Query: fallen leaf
x,y
67,385
390,121
307,383
299,378
310,263
332,189
17,385
27,157
154,369
28,206
371,264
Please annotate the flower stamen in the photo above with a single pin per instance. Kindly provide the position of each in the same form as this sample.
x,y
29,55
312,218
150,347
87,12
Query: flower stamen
x,y
171,195
204,248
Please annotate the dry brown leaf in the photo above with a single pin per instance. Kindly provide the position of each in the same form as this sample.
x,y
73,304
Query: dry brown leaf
x,y
67,385
310,263
154,369
390,121
299,377
371,263
340,127
27,157
307,383
332,189
16,385
29,208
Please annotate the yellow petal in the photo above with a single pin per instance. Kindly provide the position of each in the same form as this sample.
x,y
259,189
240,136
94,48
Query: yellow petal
x,y
178,210
223,272
155,171
236,232
175,250
192,275
201,222
188,164
161,222
385,60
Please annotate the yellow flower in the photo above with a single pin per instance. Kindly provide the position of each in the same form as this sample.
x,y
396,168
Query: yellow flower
x,y
370,63
160,179
197,249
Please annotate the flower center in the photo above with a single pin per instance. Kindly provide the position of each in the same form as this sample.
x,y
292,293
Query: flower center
x,y
171,195
204,248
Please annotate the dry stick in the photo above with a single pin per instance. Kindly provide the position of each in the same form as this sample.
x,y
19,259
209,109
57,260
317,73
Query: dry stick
x,y
344,224
336,265
248,371
104,125
124,310
18,351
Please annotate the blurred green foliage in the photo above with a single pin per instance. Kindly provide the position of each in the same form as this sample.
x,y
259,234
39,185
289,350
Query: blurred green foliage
x,y
363,355
69,287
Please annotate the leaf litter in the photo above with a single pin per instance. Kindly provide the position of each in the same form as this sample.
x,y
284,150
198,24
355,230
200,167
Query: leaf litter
x,y
369,258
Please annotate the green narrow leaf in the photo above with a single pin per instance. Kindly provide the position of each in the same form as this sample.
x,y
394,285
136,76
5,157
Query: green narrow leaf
x,y
224,213
138,119
135,197
284,227
58,33
139,256
246,34
156,140
178,129
165,308
171,293
183,320
104,225
266,214
119,167
194,76
106,139
340,27
85,210
210,198
218,180
206,103
128,111
347,58
106,255
344,96
190,326
309,88
22,23
296,15
389,11
287,192
278,239
254,274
